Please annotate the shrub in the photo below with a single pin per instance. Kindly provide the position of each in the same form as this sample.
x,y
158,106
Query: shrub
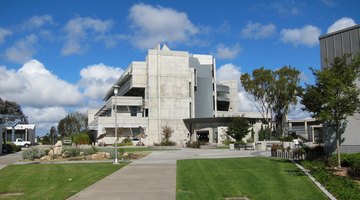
x,y
82,138
193,144
167,143
126,142
11,147
315,153
352,161
33,153
72,151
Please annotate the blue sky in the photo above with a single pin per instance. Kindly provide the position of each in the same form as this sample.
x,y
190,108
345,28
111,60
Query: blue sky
x,y
61,56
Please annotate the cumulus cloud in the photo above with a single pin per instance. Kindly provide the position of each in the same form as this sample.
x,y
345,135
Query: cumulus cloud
x,y
307,35
45,115
97,79
227,52
33,85
153,25
342,23
38,21
232,72
258,30
3,34
22,50
81,30
296,111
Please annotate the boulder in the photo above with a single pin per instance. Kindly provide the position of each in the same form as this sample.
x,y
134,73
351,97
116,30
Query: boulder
x,y
81,153
98,156
45,158
58,150
51,152
66,154
107,155
58,143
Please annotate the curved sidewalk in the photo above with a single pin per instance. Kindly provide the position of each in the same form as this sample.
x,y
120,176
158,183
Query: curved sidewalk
x,y
152,177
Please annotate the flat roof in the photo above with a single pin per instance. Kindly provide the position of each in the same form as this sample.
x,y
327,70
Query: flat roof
x,y
339,31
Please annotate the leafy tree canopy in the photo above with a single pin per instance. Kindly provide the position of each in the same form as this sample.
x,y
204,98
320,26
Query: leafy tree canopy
x,y
239,128
73,123
334,96
273,92
12,108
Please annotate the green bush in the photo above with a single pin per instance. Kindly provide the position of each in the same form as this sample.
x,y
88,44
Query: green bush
x,y
82,138
90,151
193,144
315,153
351,161
342,188
126,142
72,151
33,153
11,147
168,143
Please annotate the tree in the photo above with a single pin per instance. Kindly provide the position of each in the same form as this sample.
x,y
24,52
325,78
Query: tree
x,y
167,132
239,128
73,123
53,134
334,96
272,93
12,108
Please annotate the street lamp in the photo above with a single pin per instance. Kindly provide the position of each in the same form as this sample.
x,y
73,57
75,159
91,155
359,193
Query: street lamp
x,y
116,90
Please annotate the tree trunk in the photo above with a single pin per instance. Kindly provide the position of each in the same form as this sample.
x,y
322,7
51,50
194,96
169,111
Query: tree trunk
x,y
338,147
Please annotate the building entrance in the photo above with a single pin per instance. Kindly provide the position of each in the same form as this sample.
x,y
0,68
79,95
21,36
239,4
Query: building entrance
x,y
203,136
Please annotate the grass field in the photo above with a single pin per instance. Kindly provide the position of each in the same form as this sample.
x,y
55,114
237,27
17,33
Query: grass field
x,y
255,178
50,181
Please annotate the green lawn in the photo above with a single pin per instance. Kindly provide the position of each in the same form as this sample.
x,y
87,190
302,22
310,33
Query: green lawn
x,y
51,181
255,178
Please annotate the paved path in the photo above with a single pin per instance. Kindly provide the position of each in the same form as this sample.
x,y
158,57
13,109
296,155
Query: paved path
x,y
10,159
152,177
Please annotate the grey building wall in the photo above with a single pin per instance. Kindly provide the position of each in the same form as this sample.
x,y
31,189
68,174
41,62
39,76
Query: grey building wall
x,y
335,45
203,89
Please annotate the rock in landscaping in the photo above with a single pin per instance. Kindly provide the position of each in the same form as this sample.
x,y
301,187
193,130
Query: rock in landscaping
x,y
45,158
82,153
51,152
58,144
107,155
98,156
66,154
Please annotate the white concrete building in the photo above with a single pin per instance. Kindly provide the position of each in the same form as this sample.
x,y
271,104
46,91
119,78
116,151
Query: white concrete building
x,y
169,88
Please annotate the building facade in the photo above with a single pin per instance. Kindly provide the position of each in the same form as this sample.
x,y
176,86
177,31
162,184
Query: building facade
x,y
333,45
167,89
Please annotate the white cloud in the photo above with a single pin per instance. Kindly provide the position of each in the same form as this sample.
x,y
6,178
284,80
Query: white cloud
x,y
232,72
22,51
97,79
228,71
296,111
3,34
153,25
307,35
258,30
33,85
38,21
45,115
82,30
225,52
342,23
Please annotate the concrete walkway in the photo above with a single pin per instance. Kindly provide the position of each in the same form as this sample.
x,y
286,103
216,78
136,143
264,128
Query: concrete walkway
x,y
152,177
9,159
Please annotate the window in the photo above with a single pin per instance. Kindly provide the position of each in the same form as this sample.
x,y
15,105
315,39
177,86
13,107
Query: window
x,y
134,110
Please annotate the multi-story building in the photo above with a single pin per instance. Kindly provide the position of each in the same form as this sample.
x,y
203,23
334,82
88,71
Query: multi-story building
x,y
333,45
169,88
308,129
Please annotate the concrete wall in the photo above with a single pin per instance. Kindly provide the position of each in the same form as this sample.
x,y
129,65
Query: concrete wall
x,y
168,93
